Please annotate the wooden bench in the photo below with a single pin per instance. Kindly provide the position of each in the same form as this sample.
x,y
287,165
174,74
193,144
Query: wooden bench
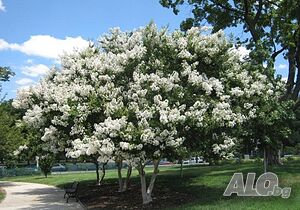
x,y
72,191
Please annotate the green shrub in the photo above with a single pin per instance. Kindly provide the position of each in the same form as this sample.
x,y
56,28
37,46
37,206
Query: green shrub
x,y
46,162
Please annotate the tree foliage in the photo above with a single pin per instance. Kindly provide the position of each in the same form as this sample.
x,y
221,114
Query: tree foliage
x,y
46,162
11,136
5,74
274,28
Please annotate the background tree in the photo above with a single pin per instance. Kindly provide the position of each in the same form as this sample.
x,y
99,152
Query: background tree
x,y
46,162
272,26
99,166
11,135
286,24
5,74
179,155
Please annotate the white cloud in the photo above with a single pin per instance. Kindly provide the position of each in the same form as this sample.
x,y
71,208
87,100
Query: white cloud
x,y
46,46
282,66
24,81
2,7
30,61
3,45
35,70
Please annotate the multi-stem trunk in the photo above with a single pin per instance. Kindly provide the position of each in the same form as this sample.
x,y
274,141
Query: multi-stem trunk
x,y
126,182
103,172
123,184
120,178
147,192
97,172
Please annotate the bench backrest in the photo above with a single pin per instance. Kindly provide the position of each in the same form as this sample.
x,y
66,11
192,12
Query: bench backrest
x,y
75,185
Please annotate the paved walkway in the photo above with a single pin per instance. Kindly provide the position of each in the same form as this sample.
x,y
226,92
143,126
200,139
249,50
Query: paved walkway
x,y
23,196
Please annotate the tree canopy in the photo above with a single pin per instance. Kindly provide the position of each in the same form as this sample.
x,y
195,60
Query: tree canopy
x,y
141,95
5,74
274,28
11,136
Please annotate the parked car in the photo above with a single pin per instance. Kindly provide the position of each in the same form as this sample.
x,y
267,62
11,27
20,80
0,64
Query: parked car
x,y
58,167
185,162
165,162
194,160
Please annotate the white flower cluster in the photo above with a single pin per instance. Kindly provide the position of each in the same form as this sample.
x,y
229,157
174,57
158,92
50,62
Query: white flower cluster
x,y
224,149
20,150
132,95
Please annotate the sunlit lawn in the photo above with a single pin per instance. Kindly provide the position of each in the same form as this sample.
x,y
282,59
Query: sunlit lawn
x,y
205,184
2,195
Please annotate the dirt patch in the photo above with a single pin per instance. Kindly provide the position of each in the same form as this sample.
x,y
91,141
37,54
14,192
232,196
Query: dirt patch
x,y
107,197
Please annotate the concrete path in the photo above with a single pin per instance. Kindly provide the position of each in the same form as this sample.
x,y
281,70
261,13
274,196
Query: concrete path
x,y
23,196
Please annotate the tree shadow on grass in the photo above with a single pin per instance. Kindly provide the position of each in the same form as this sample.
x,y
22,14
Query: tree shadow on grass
x,y
170,190
165,195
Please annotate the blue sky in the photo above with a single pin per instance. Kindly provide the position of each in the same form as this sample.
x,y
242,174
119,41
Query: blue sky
x,y
34,32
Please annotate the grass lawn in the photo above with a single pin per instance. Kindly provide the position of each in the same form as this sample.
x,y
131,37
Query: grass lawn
x,y
2,194
202,187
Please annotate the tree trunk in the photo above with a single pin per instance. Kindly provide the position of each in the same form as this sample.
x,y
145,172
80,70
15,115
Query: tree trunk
x,y
146,198
297,86
181,169
97,172
265,160
146,192
126,182
103,172
297,57
120,178
272,156
153,178
292,71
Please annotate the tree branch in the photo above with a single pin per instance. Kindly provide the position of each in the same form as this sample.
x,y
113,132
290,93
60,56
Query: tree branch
x,y
273,3
249,22
227,8
246,6
275,53
257,16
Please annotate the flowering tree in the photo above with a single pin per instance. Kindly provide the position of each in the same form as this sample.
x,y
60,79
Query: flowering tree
x,y
141,95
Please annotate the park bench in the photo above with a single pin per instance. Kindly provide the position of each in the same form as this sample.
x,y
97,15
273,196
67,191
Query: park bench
x,y
72,191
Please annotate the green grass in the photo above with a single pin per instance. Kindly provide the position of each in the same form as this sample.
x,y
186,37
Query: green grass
x,y
206,184
61,179
2,195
